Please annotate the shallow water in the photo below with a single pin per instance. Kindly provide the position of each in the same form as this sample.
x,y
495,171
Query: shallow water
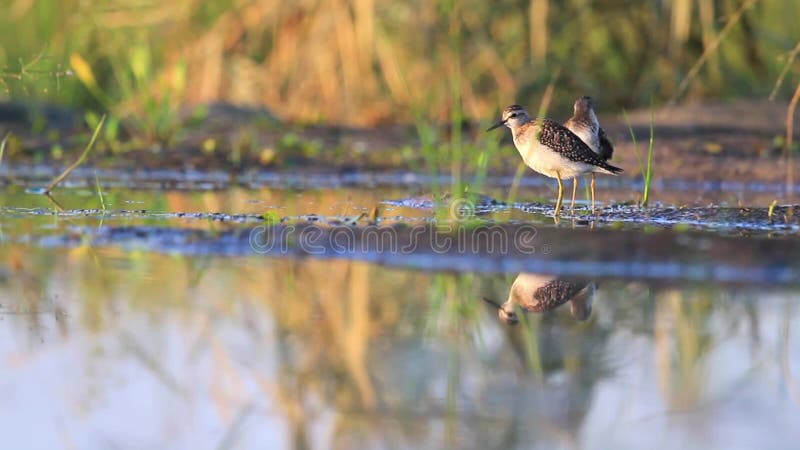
x,y
609,189
117,335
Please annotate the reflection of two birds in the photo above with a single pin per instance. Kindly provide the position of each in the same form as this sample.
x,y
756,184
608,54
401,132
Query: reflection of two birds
x,y
566,361
538,293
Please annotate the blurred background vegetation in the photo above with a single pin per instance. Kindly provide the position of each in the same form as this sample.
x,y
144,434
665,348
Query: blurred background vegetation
x,y
364,62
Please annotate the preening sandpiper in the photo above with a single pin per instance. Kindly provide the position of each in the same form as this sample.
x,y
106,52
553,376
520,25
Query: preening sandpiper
x,y
585,125
551,149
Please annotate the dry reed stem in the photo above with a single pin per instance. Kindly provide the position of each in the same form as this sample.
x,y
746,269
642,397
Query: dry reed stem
x,y
338,60
788,148
785,70
80,160
538,29
3,146
708,51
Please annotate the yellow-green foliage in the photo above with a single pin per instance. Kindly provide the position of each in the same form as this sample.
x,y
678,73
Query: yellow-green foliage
x,y
367,61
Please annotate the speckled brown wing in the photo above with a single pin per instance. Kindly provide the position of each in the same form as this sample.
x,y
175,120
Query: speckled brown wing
x,y
565,142
555,293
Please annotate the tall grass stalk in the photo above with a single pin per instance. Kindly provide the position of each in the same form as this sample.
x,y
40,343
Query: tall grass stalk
x,y
426,131
338,61
456,107
3,146
99,192
80,160
530,331
711,49
645,170
483,150
648,178
771,210
789,61
512,192
789,139
633,141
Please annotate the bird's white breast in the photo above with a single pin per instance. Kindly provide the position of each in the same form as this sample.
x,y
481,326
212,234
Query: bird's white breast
x,y
546,161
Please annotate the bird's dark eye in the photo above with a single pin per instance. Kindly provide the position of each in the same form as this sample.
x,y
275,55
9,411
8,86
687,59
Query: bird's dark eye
x,y
513,115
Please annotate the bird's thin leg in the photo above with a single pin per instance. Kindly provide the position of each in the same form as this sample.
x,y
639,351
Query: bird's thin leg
x,y
574,190
560,195
592,190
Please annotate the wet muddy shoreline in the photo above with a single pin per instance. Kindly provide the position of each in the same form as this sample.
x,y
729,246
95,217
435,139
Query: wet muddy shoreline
x,y
167,178
710,218
742,221
726,245
698,144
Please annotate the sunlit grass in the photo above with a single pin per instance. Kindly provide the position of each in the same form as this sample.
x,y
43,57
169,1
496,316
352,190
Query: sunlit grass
x,y
3,146
648,176
370,63
711,46
645,167
771,210
99,192
788,149
58,179
437,65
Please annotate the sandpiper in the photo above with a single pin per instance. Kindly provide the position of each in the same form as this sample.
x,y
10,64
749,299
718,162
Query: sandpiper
x,y
539,293
551,149
585,125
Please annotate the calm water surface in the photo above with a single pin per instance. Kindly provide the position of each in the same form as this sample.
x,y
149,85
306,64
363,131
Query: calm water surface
x,y
109,348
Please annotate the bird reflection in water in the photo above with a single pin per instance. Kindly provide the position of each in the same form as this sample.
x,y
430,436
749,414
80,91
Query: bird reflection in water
x,y
538,293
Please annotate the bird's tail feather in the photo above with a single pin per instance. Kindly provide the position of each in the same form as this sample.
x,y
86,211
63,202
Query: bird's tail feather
x,y
609,169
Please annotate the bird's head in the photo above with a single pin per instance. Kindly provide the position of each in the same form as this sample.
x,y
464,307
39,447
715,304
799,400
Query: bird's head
x,y
506,312
513,116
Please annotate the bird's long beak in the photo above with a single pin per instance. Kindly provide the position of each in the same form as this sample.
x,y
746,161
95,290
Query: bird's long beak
x,y
492,302
497,124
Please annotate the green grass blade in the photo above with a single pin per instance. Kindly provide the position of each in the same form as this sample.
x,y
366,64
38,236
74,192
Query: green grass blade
x,y
99,192
80,160
635,145
648,178
3,146
512,192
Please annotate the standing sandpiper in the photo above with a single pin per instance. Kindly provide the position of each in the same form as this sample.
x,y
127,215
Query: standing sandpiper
x,y
551,149
585,125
